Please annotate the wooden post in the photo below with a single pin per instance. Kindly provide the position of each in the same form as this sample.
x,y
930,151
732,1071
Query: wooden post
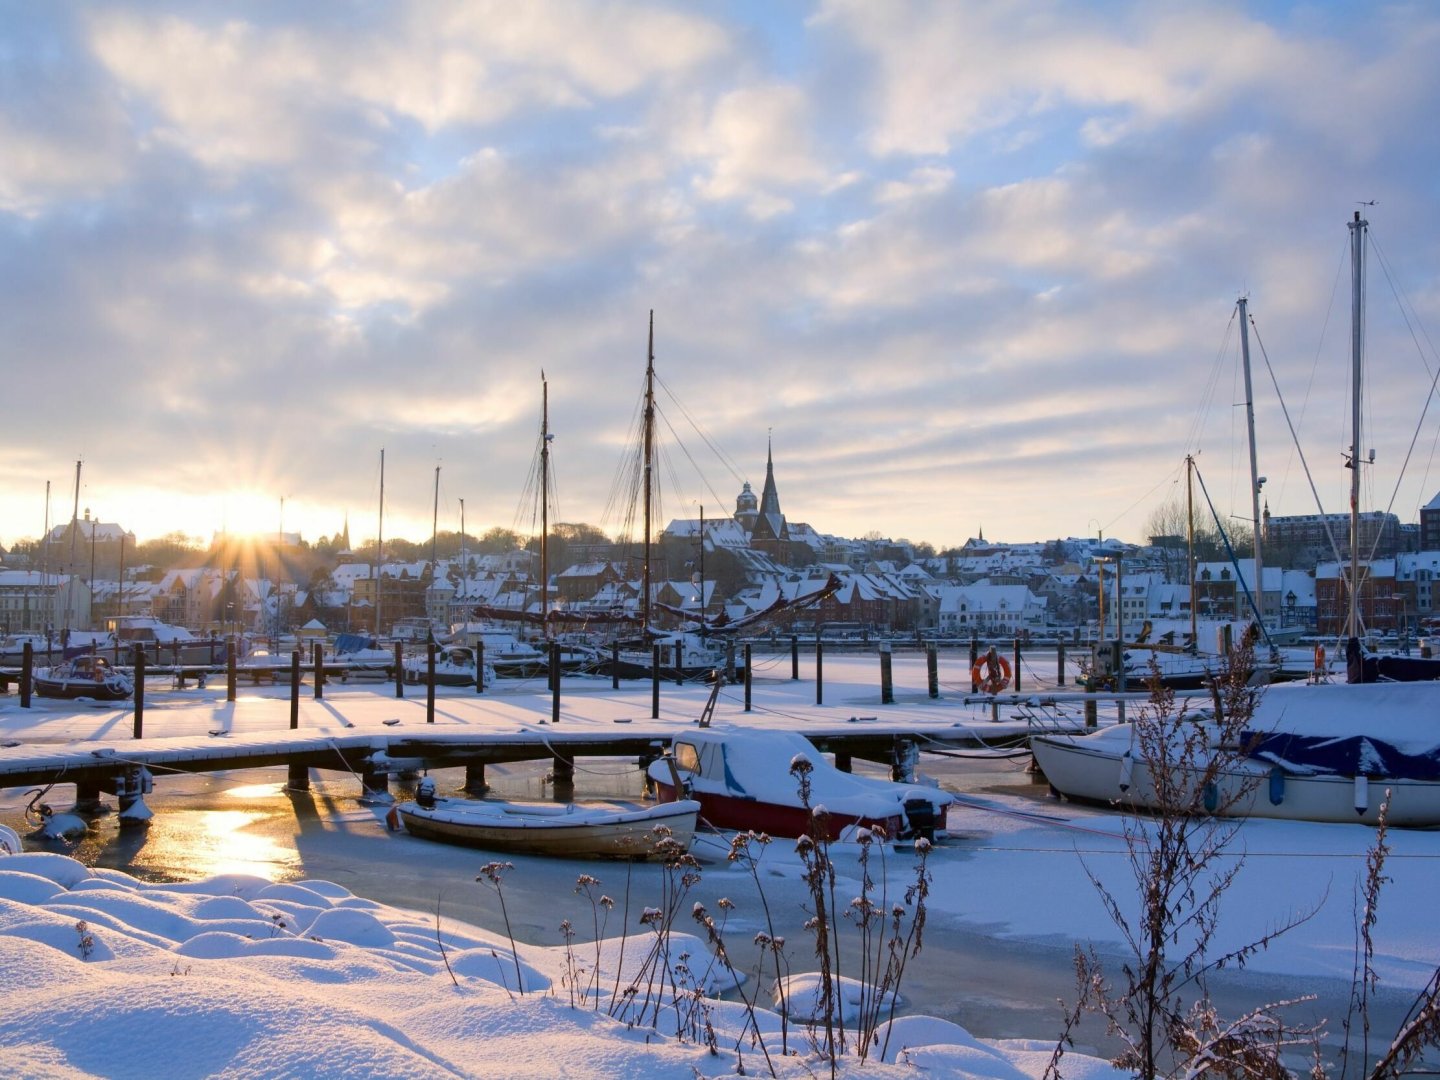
x,y
400,669
749,667
299,775
843,760
139,691
1060,663
932,670
554,682
819,671
974,659
27,672
679,663
294,691
794,658
730,661
654,682
1092,714
318,652
480,682
429,678
230,669
887,684
615,665
562,774
475,779
1017,665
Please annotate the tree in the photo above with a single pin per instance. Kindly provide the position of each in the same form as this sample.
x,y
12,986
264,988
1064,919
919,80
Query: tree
x,y
1169,521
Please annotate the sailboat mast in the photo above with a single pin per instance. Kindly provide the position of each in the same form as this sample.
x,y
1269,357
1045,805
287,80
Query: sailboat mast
x,y
1255,481
1190,543
1357,351
435,522
648,470
544,503
70,580
380,544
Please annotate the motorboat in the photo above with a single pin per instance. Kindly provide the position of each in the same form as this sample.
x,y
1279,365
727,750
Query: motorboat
x,y
87,676
743,780
511,657
1327,752
454,666
568,830
363,658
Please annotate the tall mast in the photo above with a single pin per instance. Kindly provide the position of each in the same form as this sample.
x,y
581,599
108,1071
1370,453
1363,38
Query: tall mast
x,y
1255,481
648,470
70,580
1357,350
544,503
380,544
1190,543
435,523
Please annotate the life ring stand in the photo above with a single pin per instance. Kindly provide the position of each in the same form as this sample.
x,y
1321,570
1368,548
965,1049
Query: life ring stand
x,y
991,674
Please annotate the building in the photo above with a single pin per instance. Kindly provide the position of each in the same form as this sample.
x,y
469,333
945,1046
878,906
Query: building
x,y
32,602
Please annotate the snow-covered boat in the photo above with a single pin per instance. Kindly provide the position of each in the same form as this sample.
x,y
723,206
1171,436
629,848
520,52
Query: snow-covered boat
x,y
565,830
1309,753
363,657
83,677
743,780
454,666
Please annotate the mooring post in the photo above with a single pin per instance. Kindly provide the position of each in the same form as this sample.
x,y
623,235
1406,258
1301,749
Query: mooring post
x,y
730,661
429,678
844,761
932,670
1017,665
554,682
475,779
295,689
1060,663
615,665
819,671
562,775
27,669
319,655
400,669
795,658
373,782
654,682
480,671
679,663
87,799
902,764
887,685
974,659
230,649
139,691
299,776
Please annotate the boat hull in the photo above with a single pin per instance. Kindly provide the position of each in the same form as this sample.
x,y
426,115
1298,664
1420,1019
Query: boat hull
x,y
1244,788
112,689
734,814
613,835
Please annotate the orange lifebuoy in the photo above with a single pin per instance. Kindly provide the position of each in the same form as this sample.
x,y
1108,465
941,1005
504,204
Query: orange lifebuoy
x,y
991,674
1319,657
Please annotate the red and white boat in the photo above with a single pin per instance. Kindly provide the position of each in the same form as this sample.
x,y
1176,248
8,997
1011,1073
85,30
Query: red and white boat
x,y
743,780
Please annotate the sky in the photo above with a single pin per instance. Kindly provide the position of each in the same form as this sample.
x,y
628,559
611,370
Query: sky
x,y
966,267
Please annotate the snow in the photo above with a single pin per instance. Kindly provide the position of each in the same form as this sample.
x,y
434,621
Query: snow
x,y
237,975
234,976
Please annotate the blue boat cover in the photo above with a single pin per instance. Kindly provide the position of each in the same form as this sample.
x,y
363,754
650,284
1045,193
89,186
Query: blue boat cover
x,y
1351,755
348,643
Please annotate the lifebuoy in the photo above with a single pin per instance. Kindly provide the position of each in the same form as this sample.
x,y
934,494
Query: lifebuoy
x,y
991,674
1319,657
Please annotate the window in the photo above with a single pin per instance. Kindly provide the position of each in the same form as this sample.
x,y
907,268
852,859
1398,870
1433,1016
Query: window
x,y
687,758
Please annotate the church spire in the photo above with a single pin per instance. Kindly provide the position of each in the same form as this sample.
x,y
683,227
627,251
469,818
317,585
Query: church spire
x,y
769,497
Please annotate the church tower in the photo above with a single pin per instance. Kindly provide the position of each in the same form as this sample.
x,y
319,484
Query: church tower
x,y
770,523
746,508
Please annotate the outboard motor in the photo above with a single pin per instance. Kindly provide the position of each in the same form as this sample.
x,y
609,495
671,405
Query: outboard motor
x,y
920,813
425,793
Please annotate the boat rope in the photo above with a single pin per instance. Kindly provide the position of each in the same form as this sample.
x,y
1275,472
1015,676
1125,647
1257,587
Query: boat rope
x,y
1234,561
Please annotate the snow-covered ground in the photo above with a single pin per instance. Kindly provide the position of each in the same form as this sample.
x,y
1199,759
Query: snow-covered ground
x,y
205,976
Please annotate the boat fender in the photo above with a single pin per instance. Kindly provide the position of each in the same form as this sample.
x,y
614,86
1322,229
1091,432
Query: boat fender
x,y
392,819
1212,797
1362,794
1277,786
1127,767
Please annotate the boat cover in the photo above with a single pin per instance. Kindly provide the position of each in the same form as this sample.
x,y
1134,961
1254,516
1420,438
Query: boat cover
x,y
1354,755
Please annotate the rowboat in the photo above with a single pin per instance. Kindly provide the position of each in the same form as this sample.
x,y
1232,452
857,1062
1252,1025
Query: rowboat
x,y
564,830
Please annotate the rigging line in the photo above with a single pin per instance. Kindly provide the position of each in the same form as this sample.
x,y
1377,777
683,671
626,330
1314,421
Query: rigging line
x,y
1207,398
1402,302
693,463
1169,478
1295,439
1235,561
715,448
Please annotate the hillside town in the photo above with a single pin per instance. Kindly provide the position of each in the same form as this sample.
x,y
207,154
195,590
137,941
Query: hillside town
x,y
86,572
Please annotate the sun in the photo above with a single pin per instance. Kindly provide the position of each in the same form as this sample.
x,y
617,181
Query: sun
x,y
251,515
